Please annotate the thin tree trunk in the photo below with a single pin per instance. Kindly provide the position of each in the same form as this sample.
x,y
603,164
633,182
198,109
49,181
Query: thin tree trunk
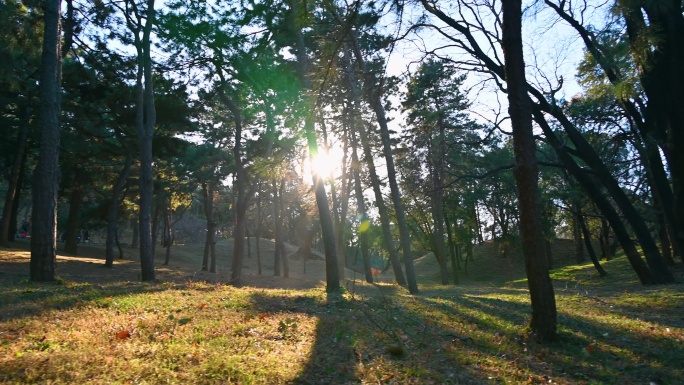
x,y
258,229
115,203
577,235
281,244
167,232
376,103
278,230
387,237
74,220
590,248
362,229
13,185
455,259
544,318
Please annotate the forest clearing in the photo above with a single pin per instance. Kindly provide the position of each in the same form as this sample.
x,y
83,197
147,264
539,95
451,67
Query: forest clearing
x,y
98,325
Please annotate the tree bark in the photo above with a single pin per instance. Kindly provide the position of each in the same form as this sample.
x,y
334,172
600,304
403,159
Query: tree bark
x,y
46,174
544,318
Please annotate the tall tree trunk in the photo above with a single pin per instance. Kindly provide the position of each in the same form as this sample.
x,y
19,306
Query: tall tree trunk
x,y
13,185
544,318
46,174
437,197
146,117
332,273
364,224
340,202
375,101
387,237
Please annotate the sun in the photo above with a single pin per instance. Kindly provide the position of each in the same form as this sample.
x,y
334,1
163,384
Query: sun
x,y
327,164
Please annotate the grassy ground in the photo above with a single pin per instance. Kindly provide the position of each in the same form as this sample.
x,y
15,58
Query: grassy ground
x,y
97,325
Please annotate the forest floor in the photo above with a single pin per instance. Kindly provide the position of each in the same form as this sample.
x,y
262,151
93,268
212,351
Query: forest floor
x,y
99,325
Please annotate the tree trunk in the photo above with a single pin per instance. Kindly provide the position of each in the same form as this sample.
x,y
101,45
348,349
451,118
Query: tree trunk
x,y
332,273
577,235
362,229
278,231
544,320
115,203
46,173
375,101
258,229
73,222
167,232
455,259
437,197
281,244
662,79
590,248
659,270
135,238
387,237
13,185
601,202
145,121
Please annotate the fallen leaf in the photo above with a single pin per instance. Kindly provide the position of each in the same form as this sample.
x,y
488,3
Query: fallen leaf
x,y
262,316
202,305
122,335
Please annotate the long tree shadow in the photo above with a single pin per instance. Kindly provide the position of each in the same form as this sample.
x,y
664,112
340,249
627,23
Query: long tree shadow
x,y
80,281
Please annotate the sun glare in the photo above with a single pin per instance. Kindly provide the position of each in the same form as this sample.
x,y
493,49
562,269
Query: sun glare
x,y
327,164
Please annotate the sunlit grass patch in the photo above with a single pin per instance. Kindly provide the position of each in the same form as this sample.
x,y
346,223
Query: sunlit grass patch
x,y
199,332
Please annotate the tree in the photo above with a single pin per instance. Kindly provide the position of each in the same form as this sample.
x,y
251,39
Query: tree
x,y
435,103
544,316
298,16
140,20
45,183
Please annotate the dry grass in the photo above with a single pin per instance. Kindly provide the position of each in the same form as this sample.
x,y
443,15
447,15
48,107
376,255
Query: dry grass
x,y
97,325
